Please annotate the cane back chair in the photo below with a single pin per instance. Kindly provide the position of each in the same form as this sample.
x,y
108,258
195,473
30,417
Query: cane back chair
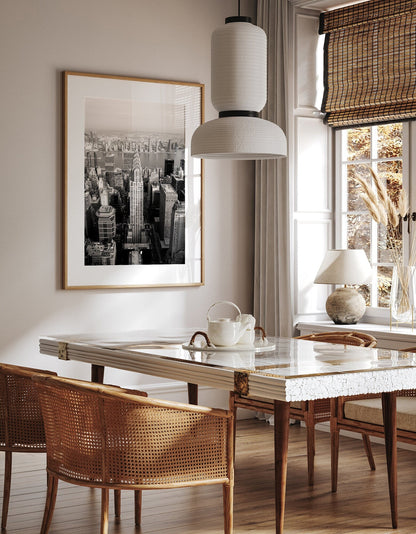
x,y
21,424
363,414
105,437
311,412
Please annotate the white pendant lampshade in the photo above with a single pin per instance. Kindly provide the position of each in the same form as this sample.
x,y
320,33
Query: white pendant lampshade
x,y
239,93
238,138
238,66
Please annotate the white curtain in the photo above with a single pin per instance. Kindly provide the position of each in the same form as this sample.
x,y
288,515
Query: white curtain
x,y
272,280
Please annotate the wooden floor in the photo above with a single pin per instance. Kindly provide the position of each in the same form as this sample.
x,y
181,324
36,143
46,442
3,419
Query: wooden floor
x,y
360,506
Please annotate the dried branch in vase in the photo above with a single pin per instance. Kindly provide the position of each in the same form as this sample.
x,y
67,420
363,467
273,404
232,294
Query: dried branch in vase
x,y
383,210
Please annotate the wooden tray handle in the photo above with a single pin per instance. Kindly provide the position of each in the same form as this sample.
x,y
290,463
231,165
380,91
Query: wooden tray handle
x,y
203,334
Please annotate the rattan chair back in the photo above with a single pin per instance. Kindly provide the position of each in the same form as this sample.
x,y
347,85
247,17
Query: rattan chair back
x,y
369,340
21,424
345,338
103,436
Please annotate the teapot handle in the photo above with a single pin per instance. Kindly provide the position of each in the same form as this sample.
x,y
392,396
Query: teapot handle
x,y
223,302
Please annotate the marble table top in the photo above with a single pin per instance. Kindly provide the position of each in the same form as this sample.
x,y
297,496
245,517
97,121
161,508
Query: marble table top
x,y
294,370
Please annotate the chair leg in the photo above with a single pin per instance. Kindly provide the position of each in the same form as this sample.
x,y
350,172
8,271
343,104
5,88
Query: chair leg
x,y
105,497
228,496
334,458
309,418
52,488
6,490
368,451
310,443
137,507
117,503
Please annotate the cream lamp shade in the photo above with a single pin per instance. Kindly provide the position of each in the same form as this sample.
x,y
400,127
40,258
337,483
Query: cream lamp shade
x,y
347,266
344,266
238,93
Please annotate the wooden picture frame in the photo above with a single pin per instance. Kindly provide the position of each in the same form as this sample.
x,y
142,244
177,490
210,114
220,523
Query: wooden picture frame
x,y
133,195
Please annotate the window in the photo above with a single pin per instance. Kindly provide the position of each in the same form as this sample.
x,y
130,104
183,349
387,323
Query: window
x,y
384,148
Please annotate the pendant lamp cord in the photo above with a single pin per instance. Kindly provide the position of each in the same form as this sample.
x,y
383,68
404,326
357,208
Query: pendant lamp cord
x,y
238,7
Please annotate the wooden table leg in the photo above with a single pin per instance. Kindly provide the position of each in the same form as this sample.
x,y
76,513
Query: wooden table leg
x,y
281,440
193,393
390,434
97,376
97,373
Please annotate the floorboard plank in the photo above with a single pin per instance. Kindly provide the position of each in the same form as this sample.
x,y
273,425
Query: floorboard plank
x,y
360,506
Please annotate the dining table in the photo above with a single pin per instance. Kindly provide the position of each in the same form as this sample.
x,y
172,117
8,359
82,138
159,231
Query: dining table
x,y
279,369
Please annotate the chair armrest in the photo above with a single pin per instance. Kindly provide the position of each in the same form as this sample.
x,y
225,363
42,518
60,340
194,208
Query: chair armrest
x,y
179,406
133,396
23,372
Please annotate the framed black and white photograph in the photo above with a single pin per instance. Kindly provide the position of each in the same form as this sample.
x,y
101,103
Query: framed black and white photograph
x,y
133,193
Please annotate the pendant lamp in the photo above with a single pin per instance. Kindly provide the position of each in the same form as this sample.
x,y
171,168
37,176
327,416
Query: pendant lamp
x,y
238,93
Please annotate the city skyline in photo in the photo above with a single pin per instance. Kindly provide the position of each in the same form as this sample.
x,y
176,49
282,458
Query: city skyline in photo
x,y
134,188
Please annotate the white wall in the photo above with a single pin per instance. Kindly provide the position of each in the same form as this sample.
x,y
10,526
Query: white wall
x,y
161,39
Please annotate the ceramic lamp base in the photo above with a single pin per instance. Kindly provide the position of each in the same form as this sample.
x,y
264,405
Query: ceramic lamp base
x,y
345,306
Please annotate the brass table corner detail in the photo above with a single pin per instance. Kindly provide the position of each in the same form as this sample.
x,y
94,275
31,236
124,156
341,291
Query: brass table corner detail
x,y
241,382
63,351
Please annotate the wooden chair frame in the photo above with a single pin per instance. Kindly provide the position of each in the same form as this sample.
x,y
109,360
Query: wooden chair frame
x,y
128,441
338,422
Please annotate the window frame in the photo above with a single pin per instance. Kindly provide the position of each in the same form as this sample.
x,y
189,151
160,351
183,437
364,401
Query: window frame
x,y
377,314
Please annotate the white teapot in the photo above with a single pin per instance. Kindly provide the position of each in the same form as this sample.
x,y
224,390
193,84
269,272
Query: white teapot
x,y
226,332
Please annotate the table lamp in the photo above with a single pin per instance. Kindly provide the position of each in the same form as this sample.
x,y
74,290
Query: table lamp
x,y
347,266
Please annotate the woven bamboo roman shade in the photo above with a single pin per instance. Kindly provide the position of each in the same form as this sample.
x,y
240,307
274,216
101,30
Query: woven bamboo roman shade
x,y
370,63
